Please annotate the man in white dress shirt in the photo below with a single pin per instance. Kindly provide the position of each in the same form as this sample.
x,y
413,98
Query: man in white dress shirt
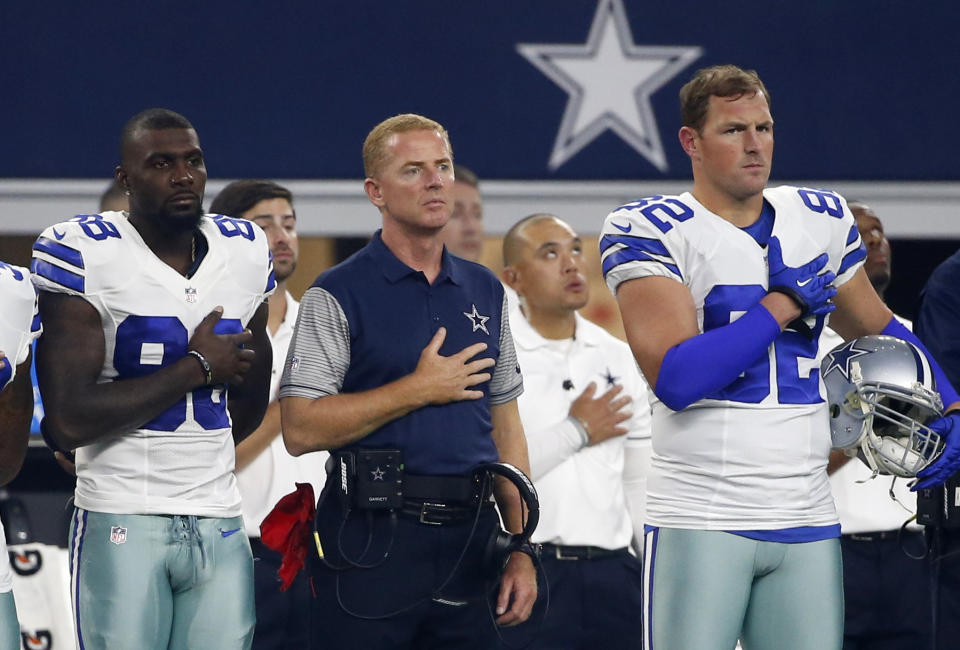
x,y
877,572
265,470
583,397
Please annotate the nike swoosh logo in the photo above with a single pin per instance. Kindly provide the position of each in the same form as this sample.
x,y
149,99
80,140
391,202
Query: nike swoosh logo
x,y
228,533
58,235
804,283
626,228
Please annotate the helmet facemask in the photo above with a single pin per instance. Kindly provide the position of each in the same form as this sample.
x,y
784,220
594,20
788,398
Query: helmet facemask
x,y
882,394
897,440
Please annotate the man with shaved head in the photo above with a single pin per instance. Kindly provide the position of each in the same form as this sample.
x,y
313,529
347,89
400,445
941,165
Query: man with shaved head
x,y
584,398
153,364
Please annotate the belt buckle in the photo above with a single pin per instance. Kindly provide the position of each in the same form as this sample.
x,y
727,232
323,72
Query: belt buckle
x,y
558,553
425,511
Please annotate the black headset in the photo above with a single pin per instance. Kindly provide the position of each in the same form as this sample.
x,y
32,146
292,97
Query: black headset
x,y
502,543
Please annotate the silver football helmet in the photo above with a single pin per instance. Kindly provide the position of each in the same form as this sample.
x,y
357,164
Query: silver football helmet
x,y
882,393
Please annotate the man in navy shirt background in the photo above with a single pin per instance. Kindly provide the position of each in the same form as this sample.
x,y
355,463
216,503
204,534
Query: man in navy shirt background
x,y
938,326
407,347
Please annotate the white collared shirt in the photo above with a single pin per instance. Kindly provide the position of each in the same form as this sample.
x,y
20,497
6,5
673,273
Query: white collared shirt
x,y
863,503
580,488
275,473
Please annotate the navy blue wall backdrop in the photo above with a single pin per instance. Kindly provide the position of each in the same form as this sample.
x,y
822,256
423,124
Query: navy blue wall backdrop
x,y
530,89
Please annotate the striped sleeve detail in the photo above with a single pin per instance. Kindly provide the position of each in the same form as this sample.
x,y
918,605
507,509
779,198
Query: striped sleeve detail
x,y
57,275
617,250
506,384
58,266
851,258
854,251
59,251
319,353
271,278
853,235
35,326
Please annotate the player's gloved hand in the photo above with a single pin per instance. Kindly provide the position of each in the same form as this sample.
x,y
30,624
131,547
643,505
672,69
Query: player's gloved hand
x,y
810,289
6,370
948,462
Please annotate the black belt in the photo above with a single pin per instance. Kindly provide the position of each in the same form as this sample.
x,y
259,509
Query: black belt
x,y
877,536
438,513
561,552
453,490
438,500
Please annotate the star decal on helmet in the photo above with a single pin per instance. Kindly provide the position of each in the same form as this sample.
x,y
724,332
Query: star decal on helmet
x,y
841,358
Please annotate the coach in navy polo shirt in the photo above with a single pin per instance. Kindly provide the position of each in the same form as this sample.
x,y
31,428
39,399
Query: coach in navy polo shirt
x,y
405,346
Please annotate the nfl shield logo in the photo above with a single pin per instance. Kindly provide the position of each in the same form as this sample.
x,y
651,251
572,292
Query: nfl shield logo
x,y
191,294
118,535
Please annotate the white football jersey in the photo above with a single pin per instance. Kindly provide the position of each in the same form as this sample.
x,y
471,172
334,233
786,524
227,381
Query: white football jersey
x,y
19,325
753,455
180,462
19,321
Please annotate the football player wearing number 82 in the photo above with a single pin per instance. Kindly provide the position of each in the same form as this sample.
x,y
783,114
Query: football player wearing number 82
x,y
154,362
724,291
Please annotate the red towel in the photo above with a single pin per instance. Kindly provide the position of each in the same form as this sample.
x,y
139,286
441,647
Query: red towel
x,y
287,530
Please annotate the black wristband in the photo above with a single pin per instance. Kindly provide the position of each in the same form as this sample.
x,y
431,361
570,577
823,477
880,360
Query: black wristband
x,y
207,370
793,295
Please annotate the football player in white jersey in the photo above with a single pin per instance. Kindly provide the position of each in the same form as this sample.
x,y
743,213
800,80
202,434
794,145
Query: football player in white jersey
x,y
154,362
19,325
723,291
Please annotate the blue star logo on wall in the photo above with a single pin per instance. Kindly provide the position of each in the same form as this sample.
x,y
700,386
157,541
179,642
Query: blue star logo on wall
x,y
479,322
842,357
609,81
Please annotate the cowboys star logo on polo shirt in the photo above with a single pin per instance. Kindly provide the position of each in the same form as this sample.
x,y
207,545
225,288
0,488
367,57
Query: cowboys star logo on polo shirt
x,y
479,322
611,378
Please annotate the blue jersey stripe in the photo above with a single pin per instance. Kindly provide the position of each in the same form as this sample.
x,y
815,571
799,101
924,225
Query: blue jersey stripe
x,y
852,258
626,255
60,251
56,274
271,281
796,535
853,234
651,543
76,555
646,244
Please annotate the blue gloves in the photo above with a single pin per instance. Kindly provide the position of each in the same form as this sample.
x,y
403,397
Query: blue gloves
x,y
947,464
812,292
6,371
